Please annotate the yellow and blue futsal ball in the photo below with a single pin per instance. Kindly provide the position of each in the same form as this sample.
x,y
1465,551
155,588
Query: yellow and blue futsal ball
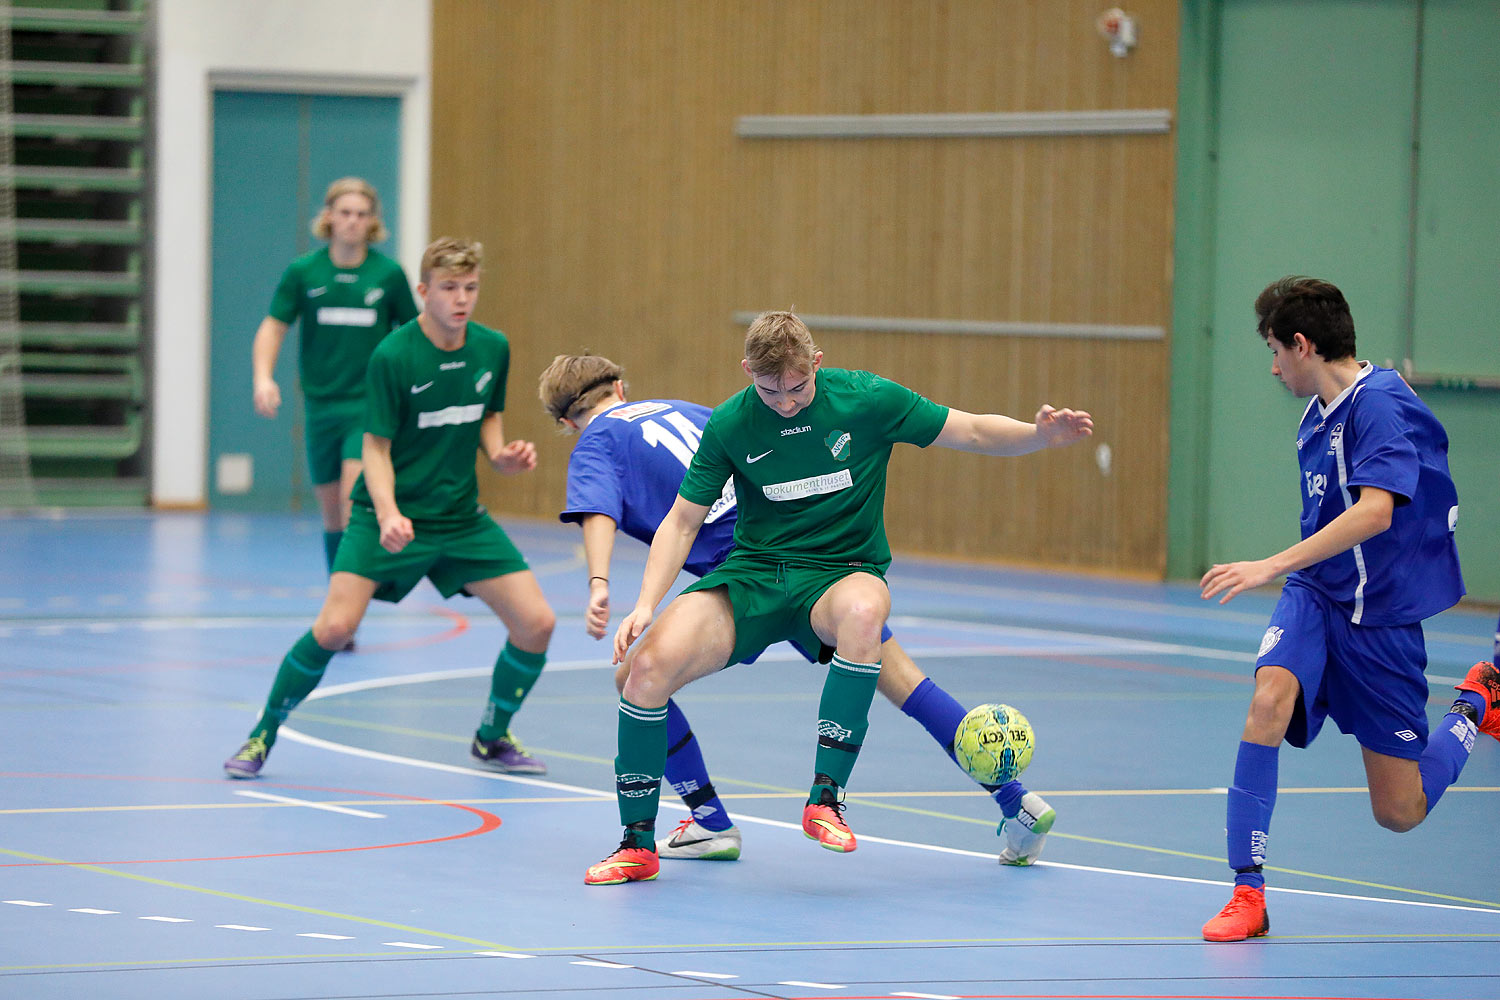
x,y
994,744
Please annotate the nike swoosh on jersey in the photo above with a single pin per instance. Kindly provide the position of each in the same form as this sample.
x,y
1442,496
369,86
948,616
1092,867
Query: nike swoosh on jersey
x,y
757,458
418,388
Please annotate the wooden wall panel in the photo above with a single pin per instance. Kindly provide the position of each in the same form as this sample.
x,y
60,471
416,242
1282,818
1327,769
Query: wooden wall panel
x,y
590,144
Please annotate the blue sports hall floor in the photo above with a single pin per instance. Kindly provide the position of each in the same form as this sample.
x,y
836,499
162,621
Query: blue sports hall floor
x,y
373,861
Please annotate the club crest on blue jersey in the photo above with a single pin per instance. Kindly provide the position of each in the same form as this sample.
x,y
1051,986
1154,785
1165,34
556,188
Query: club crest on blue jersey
x,y
1335,439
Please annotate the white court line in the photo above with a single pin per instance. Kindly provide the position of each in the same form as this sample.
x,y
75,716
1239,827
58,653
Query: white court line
x,y
703,975
431,765
1094,645
1120,643
1056,644
327,937
311,805
1161,609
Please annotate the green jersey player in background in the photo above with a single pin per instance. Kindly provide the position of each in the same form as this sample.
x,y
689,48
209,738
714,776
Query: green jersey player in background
x,y
807,448
348,296
435,389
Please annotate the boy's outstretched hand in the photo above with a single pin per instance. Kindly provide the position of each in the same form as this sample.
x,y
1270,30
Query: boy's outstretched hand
x,y
1062,427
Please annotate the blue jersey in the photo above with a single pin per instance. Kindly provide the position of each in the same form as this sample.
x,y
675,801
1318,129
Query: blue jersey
x,y
629,462
1378,433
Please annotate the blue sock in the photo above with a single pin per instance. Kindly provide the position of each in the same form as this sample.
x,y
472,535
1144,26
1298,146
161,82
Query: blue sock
x,y
936,710
688,774
1448,749
1248,815
940,715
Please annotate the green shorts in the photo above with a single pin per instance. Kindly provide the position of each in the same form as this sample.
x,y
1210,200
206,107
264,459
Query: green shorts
x,y
451,555
773,601
335,435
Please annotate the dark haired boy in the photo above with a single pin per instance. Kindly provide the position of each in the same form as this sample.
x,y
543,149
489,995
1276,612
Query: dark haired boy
x,y
1376,557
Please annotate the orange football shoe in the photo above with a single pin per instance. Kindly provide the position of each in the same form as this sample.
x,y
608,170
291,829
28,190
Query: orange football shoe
x,y
627,864
1244,916
823,821
1484,680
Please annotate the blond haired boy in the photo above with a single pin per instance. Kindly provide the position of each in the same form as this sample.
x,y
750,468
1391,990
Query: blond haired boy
x,y
434,393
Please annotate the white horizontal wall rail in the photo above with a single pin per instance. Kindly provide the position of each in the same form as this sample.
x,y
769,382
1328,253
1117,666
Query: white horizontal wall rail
x,y
272,81
1146,121
970,327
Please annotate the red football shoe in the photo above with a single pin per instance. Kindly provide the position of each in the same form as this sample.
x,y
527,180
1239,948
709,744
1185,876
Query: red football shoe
x,y
1484,680
1244,916
627,864
823,821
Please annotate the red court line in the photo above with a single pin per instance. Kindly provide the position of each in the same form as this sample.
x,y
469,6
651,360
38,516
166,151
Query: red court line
x,y
460,625
488,821
1122,996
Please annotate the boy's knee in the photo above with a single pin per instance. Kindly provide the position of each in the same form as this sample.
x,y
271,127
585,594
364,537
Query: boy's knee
x,y
333,631
863,620
1274,701
1397,818
644,679
534,631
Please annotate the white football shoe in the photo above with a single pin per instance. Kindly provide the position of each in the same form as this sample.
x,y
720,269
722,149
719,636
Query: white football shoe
x,y
693,842
1026,832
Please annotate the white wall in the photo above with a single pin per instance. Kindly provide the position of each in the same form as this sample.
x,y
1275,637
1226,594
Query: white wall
x,y
341,46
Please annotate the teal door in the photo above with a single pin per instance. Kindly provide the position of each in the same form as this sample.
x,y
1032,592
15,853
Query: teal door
x,y
273,157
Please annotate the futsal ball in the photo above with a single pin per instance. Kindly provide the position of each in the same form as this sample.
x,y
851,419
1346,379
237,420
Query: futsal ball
x,y
994,744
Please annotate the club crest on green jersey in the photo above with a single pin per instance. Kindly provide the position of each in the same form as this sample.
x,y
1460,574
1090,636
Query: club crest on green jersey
x,y
838,445
484,380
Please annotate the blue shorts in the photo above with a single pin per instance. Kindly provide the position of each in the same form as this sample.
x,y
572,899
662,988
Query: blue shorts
x,y
1368,679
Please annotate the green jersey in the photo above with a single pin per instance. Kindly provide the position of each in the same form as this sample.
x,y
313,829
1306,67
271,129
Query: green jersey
x,y
345,312
429,404
811,488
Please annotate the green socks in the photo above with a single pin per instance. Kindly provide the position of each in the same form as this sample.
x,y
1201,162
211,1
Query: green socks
x,y
843,718
639,766
301,670
515,672
331,541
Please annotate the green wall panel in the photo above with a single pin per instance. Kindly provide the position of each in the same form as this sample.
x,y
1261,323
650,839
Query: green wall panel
x,y
274,156
1296,156
1314,178
1457,324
